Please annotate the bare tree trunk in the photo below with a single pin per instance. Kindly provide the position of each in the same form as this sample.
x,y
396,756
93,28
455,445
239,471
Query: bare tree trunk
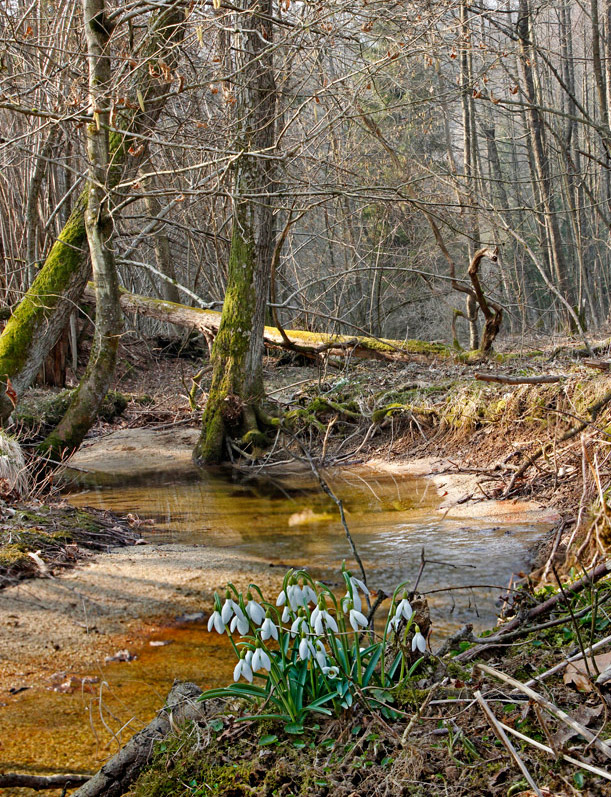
x,y
237,379
469,160
540,159
98,223
41,316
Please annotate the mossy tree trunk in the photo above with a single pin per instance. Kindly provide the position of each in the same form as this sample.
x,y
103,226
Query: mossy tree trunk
x,y
98,224
237,378
43,313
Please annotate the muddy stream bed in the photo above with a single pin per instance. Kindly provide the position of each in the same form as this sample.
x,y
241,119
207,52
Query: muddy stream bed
x,y
60,722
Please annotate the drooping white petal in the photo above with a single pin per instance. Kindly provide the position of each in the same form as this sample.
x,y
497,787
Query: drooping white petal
x,y
268,629
219,625
318,626
255,611
286,614
281,599
233,624
211,622
237,670
304,650
309,596
357,583
243,624
329,621
247,671
419,642
357,619
404,609
227,611
315,614
295,596
255,659
264,661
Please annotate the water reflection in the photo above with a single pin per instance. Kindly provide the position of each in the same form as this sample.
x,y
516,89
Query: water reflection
x,y
288,520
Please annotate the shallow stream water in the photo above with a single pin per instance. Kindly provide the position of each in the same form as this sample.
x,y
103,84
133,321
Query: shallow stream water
x,y
286,521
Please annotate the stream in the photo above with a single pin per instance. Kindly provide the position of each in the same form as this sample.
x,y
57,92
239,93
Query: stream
x,y
288,522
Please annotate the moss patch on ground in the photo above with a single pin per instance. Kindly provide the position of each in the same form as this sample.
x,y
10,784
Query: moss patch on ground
x,y
60,535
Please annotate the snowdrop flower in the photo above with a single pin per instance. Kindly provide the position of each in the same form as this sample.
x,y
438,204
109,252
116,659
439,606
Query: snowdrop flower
x,y
241,623
352,601
306,649
230,608
418,642
404,608
281,599
255,611
286,615
260,660
308,595
331,672
321,655
324,622
300,624
216,622
357,619
295,596
268,629
358,584
243,669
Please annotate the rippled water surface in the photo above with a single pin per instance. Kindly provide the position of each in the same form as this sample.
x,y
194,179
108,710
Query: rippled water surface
x,y
289,520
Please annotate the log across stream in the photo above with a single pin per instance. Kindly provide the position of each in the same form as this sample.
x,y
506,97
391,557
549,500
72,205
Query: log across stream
x,y
63,725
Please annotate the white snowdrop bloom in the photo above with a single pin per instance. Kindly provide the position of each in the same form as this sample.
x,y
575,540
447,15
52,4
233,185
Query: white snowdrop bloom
x,y
352,601
260,661
255,611
419,642
242,669
306,649
286,614
331,672
404,609
308,594
321,655
281,599
358,584
325,622
295,596
268,629
216,622
357,619
241,623
230,609
300,624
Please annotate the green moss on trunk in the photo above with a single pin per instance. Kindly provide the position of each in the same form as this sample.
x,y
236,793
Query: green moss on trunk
x,y
224,412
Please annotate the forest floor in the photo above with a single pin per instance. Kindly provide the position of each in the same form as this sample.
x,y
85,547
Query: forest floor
x,y
481,442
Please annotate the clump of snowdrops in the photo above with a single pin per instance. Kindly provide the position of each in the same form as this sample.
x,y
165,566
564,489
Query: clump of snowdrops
x,y
310,652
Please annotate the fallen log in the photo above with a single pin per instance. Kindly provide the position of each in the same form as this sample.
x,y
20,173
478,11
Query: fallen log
x,y
207,323
14,780
117,774
518,380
